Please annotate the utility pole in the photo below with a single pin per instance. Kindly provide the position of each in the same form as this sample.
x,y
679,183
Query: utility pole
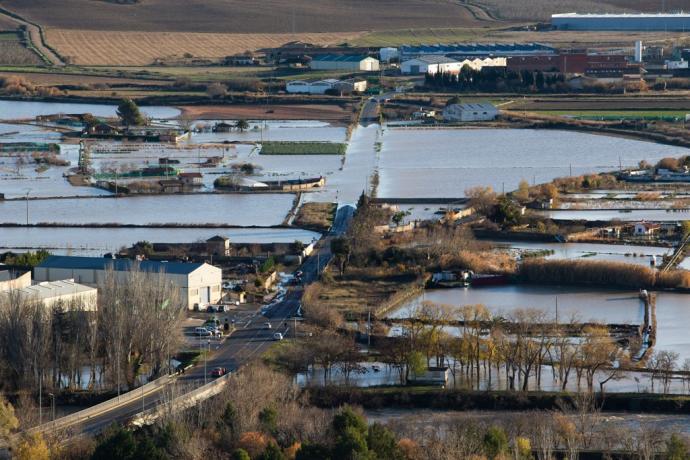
x,y
27,206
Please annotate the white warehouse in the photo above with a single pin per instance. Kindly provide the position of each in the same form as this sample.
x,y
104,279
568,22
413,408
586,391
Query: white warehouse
x,y
433,64
199,283
310,86
349,63
470,112
63,292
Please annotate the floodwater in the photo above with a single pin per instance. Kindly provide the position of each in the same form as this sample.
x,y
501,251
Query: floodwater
x,y
421,420
221,209
21,110
657,215
586,304
639,255
96,242
446,162
289,130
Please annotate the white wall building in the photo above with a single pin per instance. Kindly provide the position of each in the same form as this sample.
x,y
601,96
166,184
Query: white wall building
x,y
63,292
11,280
470,112
310,86
198,283
387,54
345,62
430,64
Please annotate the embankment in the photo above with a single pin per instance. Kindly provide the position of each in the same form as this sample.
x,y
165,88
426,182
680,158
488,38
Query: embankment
x,y
442,399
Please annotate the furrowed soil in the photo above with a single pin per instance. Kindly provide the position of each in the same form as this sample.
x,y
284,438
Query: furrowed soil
x,y
332,113
240,16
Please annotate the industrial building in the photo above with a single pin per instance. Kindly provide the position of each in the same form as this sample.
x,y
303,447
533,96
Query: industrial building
x,y
470,112
668,22
64,292
11,279
472,50
351,85
199,283
345,62
434,64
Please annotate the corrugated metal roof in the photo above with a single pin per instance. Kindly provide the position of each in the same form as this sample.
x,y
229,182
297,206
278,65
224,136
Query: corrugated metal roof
x,y
50,289
434,59
487,48
102,263
339,58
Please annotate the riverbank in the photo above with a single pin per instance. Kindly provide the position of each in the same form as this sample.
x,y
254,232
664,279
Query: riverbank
x,y
465,400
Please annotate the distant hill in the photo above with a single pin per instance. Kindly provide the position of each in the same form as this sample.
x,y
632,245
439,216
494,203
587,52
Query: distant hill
x,y
243,16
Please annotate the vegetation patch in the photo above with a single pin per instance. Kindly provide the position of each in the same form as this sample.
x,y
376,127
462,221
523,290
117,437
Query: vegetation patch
x,y
317,216
303,148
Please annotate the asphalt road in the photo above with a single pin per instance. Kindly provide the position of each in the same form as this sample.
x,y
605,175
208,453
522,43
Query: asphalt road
x,y
251,338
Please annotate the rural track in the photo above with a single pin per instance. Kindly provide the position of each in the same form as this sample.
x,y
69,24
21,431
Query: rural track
x,y
479,12
36,37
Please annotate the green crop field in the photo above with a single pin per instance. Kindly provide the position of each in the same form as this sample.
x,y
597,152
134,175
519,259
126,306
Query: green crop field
x,y
618,114
303,148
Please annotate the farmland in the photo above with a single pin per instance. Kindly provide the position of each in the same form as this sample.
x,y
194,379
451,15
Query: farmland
x,y
302,148
237,16
143,48
13,51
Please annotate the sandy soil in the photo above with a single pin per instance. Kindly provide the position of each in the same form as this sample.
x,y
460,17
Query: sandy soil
x,y
332,113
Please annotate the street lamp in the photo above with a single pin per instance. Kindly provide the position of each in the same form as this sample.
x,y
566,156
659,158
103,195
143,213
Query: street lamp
x,y
208,350
52,402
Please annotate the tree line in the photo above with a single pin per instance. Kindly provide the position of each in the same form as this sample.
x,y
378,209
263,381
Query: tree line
x,y
496,79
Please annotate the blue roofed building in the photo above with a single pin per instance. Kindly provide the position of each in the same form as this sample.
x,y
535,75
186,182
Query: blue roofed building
x,y
471,50
345,62
199,283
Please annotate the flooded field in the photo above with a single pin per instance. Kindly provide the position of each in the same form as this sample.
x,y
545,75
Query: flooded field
x,y
21,110
639,255
287,130
245,210
593,304
660,215
98,241
446,162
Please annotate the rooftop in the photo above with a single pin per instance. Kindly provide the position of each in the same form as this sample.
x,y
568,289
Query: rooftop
x,y
621,15
50,289
484,48
476,106
434,59
102,263
340,57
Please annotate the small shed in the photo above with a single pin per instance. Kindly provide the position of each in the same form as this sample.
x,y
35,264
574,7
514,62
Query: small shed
x,y
470,112
645,229
191,178
218,245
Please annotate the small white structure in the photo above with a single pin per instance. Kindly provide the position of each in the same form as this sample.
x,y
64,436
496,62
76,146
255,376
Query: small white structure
x,y
645,229
676,65
470,112
310,86
348,63
64,292
388,54
638,51
352,85
430,64
11,280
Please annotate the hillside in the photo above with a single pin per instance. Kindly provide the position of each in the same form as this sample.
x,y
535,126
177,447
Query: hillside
x,y
240,16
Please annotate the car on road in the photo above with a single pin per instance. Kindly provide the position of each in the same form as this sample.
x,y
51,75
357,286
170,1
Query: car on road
x,y
211,309
277,336
267,325
218,371
202,332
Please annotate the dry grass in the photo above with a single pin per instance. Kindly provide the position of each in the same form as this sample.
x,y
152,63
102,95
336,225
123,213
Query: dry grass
x,y
332,113
318,216
240,16
88,47
14,53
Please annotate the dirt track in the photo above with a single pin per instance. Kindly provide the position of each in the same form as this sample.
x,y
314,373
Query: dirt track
x,y
36,39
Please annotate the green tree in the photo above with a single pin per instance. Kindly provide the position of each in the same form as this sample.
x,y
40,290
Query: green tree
x,y
495,442
240,454
242,125
341,249
507,212
350,444
129,113
399,216
268,265
416,363
313,452
117,444
676,448
382,442
272,452
146,449
269,420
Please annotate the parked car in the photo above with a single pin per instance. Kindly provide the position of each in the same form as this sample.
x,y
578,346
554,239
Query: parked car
x,y
277,336
211,309
220,308
218,371
202,332
267,325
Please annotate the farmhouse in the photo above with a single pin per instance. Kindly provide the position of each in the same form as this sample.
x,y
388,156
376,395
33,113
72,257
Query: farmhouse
x,y
348,63
199,283
470,112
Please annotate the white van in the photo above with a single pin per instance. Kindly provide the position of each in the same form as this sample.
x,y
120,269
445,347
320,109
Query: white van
x,y
202,332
